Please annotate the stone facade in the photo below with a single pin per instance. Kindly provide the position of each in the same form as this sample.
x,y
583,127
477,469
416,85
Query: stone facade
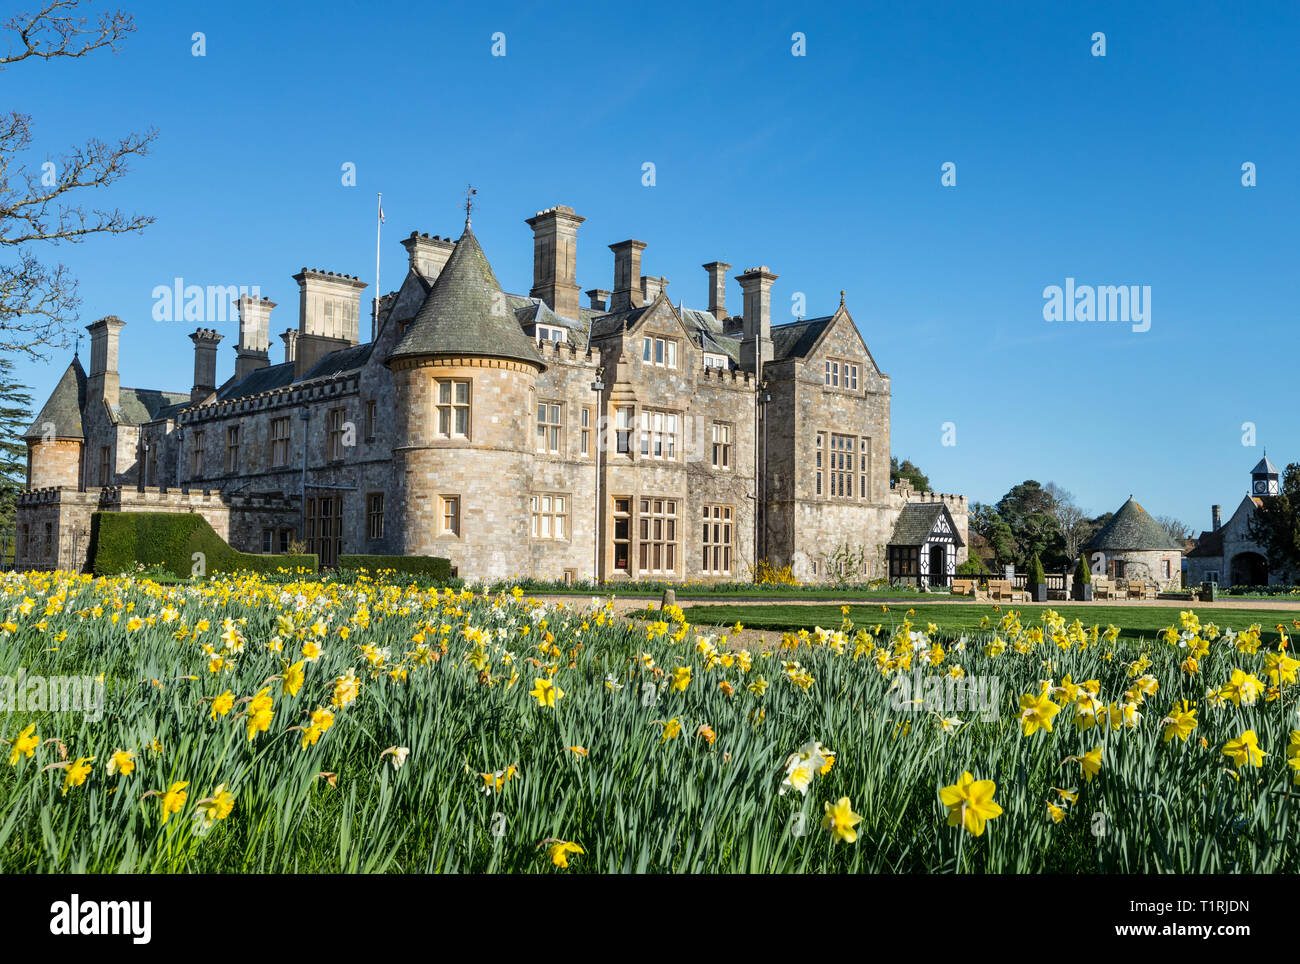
x,y
516,435
1226,554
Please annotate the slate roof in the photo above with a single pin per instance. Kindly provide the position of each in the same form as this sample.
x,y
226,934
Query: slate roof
x,y
467,313
796,339
1209,545
1265,467
1132,527
139,405
64,406
266,379
535,311
917,521
340,361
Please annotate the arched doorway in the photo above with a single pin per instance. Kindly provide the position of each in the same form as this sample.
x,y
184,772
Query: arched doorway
x,y
1249,569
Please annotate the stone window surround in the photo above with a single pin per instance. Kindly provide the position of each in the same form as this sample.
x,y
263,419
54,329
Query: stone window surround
x,y
452,407
719,519
841,369
550,428
373,515
457,516
664,351
536,512
728,446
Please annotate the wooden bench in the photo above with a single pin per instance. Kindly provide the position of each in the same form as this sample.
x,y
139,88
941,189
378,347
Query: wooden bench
x,y
1000,590
1102,588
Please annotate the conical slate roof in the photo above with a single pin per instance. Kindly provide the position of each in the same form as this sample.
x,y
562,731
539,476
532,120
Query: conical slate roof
x,y
1132,528
467,313
63,409
1265,467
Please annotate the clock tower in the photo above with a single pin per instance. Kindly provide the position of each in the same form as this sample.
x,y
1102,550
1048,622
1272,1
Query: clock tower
x,y
1263,478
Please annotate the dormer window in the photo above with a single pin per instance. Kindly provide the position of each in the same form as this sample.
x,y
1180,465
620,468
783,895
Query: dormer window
x,y
715,361
550,333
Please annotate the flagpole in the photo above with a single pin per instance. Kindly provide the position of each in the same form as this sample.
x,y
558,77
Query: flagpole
x,y
379,222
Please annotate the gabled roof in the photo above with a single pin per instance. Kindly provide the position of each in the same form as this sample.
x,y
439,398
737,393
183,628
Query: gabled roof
x,y
917,521
1209,545
64,406
1265,467
467,313
796,339
1132,527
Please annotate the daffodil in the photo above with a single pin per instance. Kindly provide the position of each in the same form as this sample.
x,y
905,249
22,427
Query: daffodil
x,y
546,692
840,820
1245,750
24,744
970,803
559,851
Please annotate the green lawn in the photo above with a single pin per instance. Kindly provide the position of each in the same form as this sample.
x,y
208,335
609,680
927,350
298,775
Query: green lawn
x,y
888,594
1134,621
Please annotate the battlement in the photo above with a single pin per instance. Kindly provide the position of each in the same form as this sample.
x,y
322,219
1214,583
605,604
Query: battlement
x,y
299,393
56,494
566,352
729,376
902,490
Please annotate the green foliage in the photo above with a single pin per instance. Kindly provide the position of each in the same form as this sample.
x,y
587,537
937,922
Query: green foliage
x,y
973,566
15,415
985,521
907,470
435,567
1036,573
1082,573
124,541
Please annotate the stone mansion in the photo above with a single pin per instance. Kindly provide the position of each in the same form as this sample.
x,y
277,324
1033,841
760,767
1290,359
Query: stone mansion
x,y
518,435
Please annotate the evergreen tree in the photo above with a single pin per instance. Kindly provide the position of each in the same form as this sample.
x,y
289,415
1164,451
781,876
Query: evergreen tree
x,y
15,417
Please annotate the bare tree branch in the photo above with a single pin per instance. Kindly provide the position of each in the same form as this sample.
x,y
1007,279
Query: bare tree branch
x,y
53,32
38,303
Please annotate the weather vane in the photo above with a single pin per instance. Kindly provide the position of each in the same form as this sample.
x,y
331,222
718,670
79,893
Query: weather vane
x,y
469,201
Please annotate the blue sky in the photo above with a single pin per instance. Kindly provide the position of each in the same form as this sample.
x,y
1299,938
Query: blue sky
x,y
1123,169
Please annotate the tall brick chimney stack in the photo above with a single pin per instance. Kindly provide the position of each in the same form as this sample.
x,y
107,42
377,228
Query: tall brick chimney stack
x,y
1216,517
205,363
599,299
254,348
555,259
756,340
718,288
627,275
103,381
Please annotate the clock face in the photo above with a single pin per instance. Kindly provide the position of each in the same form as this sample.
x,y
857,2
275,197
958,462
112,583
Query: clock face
x,y
1261,488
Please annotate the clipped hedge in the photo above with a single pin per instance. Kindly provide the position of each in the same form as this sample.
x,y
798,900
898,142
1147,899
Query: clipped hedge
x,y
434,567
121,541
